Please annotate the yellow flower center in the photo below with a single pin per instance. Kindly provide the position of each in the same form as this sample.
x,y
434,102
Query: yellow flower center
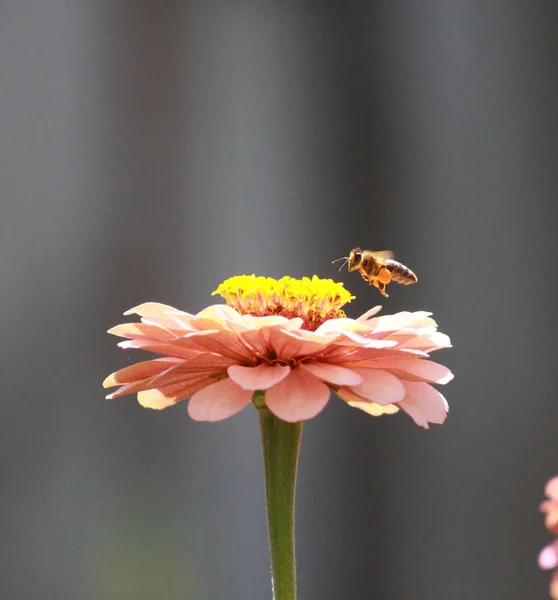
x,y
313,300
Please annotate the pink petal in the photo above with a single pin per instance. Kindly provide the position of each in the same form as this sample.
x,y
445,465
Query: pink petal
x,y
201,363
173,386
548,558
218,401
276,321
412,369
161,397
401,320
177,378
379,386
371,408
431,342
129,388
332,373
152,309
221,342
347,356
141,370
250,322
220,313
161,315
227,317
551,489
182,380
369,314
298,397
554,586
351,339
548,505
256,339
261,377
222,316
346,333
142,331
424,404
288,344
173,350
336,326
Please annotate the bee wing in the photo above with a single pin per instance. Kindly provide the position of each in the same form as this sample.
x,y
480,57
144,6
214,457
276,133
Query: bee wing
x,y
382,254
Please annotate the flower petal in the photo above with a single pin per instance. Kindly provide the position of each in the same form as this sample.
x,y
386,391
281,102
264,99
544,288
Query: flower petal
x,y
424,404
261,377
554,586
142,331
369,314
220,313
371,408
548,558
433,341
345,325
288,344
412,369
201,363
551,520
285,342
130,388
161,397
172,350
141,370
551,489
332,373
354,357
221,341
153,309
298,397
218,401
379,386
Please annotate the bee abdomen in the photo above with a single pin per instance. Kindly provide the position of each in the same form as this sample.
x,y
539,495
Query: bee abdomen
x,y
400,273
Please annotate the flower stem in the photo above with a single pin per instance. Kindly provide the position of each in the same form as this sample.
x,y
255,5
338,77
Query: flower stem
x,y
281,444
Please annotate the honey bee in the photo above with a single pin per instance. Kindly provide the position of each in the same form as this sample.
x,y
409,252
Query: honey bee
x,y
378,268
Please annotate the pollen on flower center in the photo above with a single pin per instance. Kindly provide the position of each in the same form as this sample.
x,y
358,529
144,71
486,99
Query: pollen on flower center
x,y
313,300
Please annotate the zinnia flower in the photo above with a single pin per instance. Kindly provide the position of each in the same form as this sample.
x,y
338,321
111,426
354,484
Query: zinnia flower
x,y
548,558
290,339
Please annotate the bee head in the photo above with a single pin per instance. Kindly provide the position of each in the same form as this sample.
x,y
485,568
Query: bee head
x,y
355,258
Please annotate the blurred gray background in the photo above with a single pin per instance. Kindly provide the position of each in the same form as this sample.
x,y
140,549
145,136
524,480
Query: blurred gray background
x,y
150,149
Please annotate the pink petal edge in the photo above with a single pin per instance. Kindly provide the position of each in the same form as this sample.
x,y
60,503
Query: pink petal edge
x,y
424,404
261,377
298,397
218,401
380,387
332,373
548,557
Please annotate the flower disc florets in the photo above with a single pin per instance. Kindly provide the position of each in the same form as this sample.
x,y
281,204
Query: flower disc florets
x,y
313,300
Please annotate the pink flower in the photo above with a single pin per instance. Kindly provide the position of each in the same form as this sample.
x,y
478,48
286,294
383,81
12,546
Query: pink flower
x,y
290,340
550,506
548,558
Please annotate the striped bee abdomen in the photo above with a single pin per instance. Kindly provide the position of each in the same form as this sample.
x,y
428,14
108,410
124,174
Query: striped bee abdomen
x,y
400,273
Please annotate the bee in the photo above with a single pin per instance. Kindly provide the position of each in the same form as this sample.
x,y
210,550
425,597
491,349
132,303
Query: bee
x,y
378,268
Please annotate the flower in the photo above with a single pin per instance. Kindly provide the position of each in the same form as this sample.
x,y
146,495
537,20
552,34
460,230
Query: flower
x,y
548,557
290,339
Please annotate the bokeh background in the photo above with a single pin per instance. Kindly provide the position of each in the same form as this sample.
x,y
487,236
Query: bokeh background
x,y
150,149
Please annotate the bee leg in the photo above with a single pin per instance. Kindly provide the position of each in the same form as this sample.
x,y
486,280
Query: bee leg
x,y
382,288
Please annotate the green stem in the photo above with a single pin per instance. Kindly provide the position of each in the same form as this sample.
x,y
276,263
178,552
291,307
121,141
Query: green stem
x,y
281,444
